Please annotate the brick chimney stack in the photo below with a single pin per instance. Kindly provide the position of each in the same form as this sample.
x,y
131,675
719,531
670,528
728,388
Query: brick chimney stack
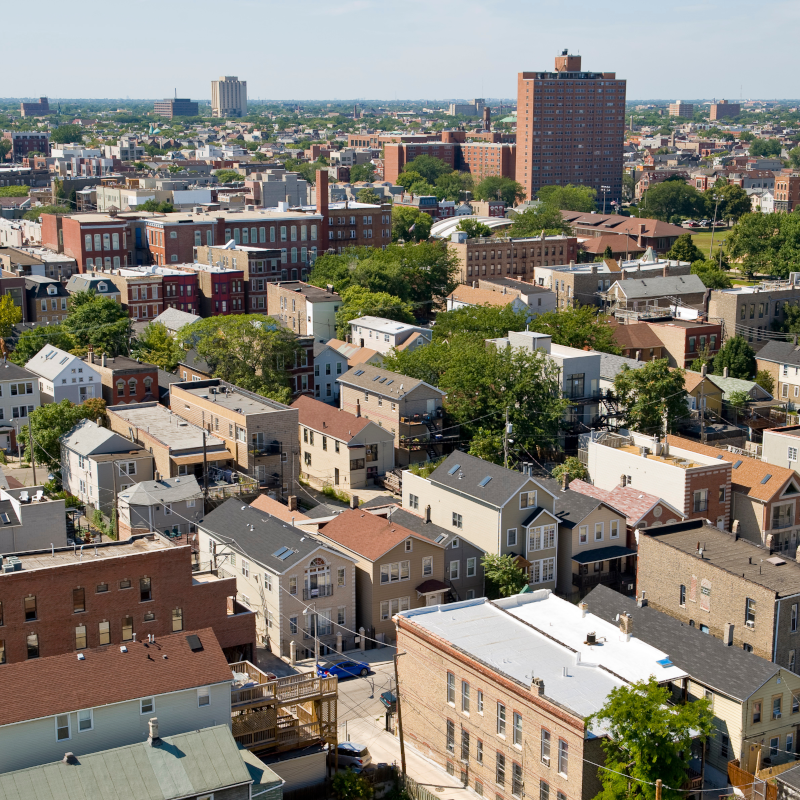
x,y
322,208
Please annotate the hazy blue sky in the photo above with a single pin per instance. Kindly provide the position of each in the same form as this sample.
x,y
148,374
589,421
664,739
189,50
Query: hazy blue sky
x,y
413,49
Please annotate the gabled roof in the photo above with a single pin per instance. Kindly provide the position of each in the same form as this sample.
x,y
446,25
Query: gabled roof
x,y
728,385
51,361
692,380
613,223
354,355
673,285
376,380
329,420
633,503
87,438
382,506
780,352
611,365
636,336
173,319
9,371
727,670
166,490
571,507
64,683
473,296
275,509
463,473
755,478
368,535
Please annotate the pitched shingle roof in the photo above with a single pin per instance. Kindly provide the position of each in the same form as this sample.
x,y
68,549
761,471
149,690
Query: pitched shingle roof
x,y
382,382
275,509
166,490
633,503
611,365
638,335
673,285
328,419
780,352
59,684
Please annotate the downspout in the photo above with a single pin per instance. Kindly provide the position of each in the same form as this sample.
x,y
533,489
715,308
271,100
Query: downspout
x,y
775,632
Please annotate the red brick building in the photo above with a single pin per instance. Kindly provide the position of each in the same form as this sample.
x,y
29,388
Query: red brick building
x,y
259,267
787,190
141,292
67,601
397,155
94,240
485,159
220,290
24,142
124,379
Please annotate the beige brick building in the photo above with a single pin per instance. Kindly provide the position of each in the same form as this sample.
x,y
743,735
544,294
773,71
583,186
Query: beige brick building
x,y
259,433
305,309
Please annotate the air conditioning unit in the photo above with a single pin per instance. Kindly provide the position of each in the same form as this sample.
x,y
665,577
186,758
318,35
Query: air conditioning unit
x,y
546,760
750,623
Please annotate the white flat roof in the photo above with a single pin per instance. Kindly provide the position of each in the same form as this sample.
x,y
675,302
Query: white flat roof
x,y
383,325
539,635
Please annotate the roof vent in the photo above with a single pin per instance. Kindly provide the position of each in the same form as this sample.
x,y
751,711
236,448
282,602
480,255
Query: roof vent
x,y
123,649
69,758
195,645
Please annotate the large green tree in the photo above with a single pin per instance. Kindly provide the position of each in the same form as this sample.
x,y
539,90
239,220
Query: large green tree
x,y
766,243
428,167
534,221
731,201
98,321
410,224
454,185
737,355
362,172
156,346
648,393
248,350
483,322
497,187
684,249
711,275
67,134
504,576
10,315
31,341
369,196
579,326
358,301
647,737
474,228
569,197
672,201
765,148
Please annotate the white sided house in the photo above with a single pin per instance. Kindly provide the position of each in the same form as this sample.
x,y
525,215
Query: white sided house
x,y
64,377
384,335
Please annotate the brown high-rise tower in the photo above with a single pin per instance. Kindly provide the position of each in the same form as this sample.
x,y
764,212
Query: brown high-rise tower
x,y
570,128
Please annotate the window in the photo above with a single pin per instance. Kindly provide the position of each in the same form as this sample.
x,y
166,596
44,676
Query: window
x,y
32,643
500,770
30,608
479,751
341,616
682,598
501,719
80,637
795,703
511,537
791,660
517,733
613,532
104,632
451,688
78,601
563,758
454,570
203,697
457,520
721,494
413,501
774,745
245,568
472,566
700,500
85,720
776,707
293,585
409,545
293,624
793,625
479,701
177,619
792,454
544,790
341,574
465,697
63,731
516,780
750,612
598,531
127,629
527,500
450,735
145,592
398,571
789,743
545,748
583,534
756,711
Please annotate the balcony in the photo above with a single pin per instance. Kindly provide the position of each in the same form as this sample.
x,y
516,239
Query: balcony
x,y
320,591
782,524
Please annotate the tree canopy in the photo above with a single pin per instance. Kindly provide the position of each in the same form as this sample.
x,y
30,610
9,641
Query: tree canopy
x,y
97,321
578,326
474,228
454,186
10,315
533,221
737,355
569,197
31,341
684,249
672,201
67,134
410,224
711,275
228,175
503,576
369,196
496,187
730,200
765,148
156,346
358,301
164,207
428,167
362,172
766,243
648,393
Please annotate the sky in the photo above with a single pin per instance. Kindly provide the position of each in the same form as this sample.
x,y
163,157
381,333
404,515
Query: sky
x,y
417,49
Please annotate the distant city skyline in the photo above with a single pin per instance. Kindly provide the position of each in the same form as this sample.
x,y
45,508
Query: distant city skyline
x,y
448,49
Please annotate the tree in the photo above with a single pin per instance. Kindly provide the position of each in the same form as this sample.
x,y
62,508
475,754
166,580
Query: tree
x,y
474,228
247,350
482,322
711,275
569,197
454,186
228,175
794,157
5,147
428,167
579,326
684,249
535,221
791,320
672,200
648,393
39,211
362,172
30,342
369,196
648,738
349,785
765,380
164,207
733,200
360,302
67,134
608,252
572,467
50,422
407,178
10,315
410,224
765,148
737,355
503,575
156,346
14,191
497,187
487,445
767,243
97,321
738,399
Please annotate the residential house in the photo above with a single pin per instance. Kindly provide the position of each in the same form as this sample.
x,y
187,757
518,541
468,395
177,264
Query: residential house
x,y
642,294
686,340
729,385
97,464
622,246
176,446
19,395
638,341
303,308
356,355
782,361
498,510
339,449
780,447
47,299
763,496
63,600
329,363
384,335
125,380
648,232
704,394
611,365
743,688
171,505
396,568
30,520
188,690
697,483
63,376
174,319
304,591
99,284
495,674
177,765
411,409
259,433
524,298
726,586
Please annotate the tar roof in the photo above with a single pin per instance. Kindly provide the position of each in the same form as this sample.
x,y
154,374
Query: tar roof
x,y
231,397
11,372
166,490
231,523
382,382
329,420
382,324
59,684
538,635
464,474
188,764
312,294
739,557
708,660
757,479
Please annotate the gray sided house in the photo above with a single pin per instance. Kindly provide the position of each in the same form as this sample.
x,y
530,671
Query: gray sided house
x,y
64,377
172,506
329,364
19,395
30,521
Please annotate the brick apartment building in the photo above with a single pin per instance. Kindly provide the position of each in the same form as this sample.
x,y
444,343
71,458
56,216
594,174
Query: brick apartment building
x,y
305,309
398,154
685,340
24,142
141,293
378,140
354,224
723,110
487,159
63,601
260,433
220,290
504,256
787,190
93,240
125,380
570,128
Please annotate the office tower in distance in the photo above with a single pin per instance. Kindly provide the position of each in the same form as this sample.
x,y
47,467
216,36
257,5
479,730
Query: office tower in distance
x,y
176,107
570,129
228,97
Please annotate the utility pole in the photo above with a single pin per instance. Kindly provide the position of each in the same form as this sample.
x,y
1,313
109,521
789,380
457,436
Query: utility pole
x,y
506,431
717,197
658,789
33,455
399,716
205,470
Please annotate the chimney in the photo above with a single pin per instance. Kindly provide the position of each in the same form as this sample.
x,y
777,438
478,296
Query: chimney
x,y
584,607
626,625
537,685
291,502
69,758
665,270
358,408
428,516
735,530
90,354
354,501
727,635
103,360
704,370
564,481
623,480
724,372
640,237
152,724
322,203
642,601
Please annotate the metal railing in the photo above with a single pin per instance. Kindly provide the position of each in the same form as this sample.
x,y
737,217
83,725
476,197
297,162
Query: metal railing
x,y
320,591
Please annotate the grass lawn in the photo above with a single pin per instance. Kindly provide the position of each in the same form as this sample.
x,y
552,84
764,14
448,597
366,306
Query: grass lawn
x,y
703,240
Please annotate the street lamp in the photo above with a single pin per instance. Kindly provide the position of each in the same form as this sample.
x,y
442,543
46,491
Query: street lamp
x,y
605,190
717,198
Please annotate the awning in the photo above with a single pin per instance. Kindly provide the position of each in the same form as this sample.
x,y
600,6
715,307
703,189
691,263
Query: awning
x,y
603,554
197,458
432,586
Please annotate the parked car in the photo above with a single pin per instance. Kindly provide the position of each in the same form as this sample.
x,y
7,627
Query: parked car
x,y
342,668
353,755
689,223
